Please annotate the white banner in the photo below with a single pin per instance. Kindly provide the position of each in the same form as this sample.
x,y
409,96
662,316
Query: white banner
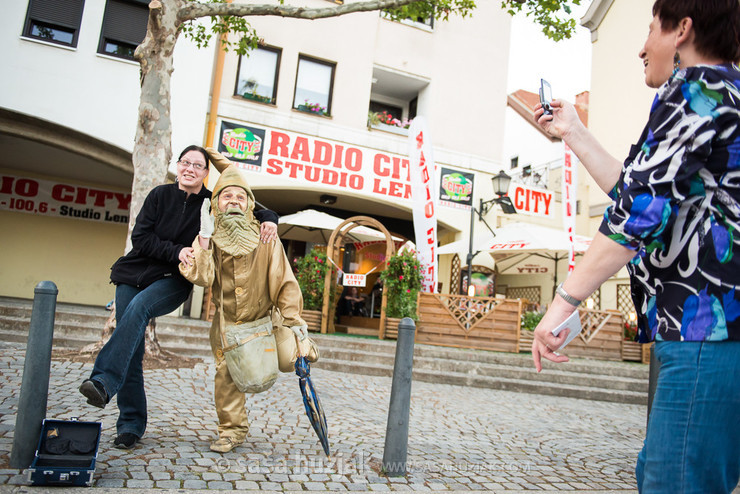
x,y
51,198
423,194
570,182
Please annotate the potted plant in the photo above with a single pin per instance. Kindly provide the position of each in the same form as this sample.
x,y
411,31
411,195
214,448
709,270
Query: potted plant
x,y
402,278
529,322
314,108
310,273
386,121
249,91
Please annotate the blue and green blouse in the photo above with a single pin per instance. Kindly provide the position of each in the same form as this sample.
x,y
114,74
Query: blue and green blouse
x,y
677,204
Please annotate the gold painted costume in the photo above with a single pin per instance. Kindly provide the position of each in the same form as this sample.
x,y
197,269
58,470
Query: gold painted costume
x,y
252,284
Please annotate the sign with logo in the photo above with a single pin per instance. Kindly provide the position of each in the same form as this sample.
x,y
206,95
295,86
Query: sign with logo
x,y
526,268
531,200
50,198
242,144
353,279
308,160
456,189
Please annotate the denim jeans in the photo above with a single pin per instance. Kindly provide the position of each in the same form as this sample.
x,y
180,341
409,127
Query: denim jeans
x,y
693,434
119,364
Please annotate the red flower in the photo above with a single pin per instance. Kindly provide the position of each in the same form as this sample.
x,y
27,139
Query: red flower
x,y
408,290
400,277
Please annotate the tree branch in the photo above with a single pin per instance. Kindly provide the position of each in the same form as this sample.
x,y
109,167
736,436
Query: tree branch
x,y
195,10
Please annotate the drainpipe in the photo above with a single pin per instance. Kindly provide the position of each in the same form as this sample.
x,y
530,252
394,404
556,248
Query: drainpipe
x,y
215,92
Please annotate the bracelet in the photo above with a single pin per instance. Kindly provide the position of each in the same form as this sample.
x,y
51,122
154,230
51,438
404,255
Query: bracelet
x,y
566,296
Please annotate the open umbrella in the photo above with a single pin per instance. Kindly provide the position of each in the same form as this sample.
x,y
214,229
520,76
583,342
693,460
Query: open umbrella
x,y
311,402
314,226
517,243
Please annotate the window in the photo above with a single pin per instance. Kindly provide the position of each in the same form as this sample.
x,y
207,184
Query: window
x,y
56,21
258,75
514,162
394,111
124,27
313,86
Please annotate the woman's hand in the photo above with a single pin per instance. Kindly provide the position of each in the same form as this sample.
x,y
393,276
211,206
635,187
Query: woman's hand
x,y
268,232
186,256
545,344
563,121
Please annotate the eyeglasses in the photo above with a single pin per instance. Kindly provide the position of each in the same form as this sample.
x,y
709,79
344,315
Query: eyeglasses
x,y
196,166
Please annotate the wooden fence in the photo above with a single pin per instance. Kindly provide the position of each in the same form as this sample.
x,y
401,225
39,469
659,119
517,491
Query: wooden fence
x,y
469,322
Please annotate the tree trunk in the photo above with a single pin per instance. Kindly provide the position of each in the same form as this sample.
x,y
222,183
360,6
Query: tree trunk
x,y
152,348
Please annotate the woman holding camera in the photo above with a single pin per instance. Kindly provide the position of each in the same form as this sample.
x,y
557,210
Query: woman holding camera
x,y
674,218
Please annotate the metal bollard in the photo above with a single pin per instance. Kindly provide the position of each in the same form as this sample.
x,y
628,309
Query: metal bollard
x,y
397,430
652,380
35,384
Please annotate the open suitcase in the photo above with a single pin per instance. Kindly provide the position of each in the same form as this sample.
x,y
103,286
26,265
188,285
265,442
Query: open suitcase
x,y
66,453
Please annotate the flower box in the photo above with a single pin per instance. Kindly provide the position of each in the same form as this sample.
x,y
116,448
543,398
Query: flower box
x,y
390,128
257,97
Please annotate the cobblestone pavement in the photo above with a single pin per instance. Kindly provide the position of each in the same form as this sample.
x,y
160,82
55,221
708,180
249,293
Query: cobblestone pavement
x,y
460,438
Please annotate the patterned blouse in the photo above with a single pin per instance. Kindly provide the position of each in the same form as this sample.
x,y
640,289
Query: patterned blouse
x,y
677,203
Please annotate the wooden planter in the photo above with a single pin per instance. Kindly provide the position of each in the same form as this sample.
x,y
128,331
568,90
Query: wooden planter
x,y
631,351
647,350
313,319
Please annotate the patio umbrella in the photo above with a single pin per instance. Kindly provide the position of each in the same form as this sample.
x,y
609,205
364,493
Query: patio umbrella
x,y
314,226
311,402
515,243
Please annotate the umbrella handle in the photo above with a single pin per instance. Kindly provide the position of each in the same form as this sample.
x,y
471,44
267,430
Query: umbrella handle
x,y
297,345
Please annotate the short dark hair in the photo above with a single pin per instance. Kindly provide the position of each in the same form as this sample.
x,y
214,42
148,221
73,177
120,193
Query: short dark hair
x,y
716,24
193,147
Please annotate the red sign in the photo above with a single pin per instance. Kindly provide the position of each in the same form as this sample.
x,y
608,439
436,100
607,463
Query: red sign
x,y
531,200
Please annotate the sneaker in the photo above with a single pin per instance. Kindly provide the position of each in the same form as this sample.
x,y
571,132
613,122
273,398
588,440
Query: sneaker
x,y
94,392
224,444
126,440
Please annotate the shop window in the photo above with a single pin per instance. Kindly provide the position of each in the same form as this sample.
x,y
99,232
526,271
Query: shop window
x,y
55,21
258,75
313,86
124,27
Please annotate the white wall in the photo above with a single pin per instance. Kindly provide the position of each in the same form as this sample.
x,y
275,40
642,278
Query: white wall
x,y
92,93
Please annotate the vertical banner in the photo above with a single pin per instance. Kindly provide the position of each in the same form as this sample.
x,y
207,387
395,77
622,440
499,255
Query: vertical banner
x,y
423,193
570,182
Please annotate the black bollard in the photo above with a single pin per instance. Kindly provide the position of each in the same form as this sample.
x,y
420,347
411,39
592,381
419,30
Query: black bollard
x,y
35,384
652,379
397,431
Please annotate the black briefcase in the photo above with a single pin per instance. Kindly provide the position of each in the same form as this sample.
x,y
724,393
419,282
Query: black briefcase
x,y
66,453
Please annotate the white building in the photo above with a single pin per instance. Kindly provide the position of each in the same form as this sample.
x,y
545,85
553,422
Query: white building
x,y
295,113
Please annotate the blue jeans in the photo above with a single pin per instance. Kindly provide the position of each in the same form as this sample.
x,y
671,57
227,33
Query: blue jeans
x,y
118,366
693,434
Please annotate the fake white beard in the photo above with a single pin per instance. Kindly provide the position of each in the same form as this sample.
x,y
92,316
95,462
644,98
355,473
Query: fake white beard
x,y
236,234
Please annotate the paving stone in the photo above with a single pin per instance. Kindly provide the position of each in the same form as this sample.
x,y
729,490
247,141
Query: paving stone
x,y
220,484
453,443
247,485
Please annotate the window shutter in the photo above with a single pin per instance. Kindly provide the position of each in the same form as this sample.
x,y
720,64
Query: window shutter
x,y
66,13
125,21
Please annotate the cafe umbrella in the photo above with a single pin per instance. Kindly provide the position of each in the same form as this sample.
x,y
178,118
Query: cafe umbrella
x,y
311,402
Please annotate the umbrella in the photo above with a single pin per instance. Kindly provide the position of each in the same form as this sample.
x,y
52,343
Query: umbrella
x,y
314,226
512,244
311,402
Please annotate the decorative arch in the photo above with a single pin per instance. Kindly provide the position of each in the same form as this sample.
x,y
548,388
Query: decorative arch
x,y
332,253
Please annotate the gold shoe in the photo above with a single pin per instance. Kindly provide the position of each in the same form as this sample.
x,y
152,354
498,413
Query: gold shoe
x,y
224,444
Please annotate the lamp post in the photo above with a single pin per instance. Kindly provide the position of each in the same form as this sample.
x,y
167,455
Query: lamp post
x,y
500,183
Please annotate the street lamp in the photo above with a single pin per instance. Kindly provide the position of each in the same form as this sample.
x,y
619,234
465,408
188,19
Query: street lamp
x,y
500,183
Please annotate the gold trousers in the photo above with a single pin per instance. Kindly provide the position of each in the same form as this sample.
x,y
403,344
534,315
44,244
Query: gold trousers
x,y
232,416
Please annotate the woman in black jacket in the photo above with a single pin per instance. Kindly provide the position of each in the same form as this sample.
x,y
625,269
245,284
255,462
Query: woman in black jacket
x,y
149,284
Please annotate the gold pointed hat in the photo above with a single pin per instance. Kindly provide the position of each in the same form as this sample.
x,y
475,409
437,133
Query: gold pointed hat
x,y
230,175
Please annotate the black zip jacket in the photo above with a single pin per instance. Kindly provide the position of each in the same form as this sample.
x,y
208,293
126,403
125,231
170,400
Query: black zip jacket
x,y
168,221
